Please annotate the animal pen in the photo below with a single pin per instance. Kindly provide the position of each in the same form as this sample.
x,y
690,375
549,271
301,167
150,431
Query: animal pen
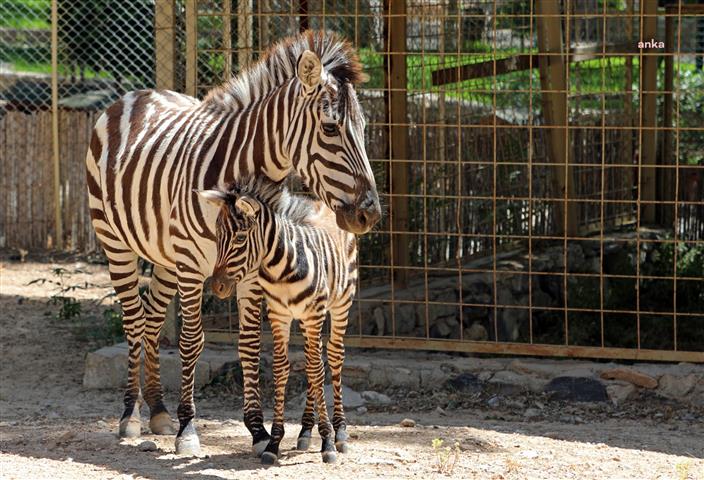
x,y
540,164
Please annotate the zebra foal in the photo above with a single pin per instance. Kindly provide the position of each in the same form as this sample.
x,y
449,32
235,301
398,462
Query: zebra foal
x,y
307,267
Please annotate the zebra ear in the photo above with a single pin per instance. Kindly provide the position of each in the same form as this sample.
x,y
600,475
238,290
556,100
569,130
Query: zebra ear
x,y
309,70
214,197
247,206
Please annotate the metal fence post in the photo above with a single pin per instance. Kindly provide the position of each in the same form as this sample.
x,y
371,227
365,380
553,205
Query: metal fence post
x,y
58,226
164,43
649,113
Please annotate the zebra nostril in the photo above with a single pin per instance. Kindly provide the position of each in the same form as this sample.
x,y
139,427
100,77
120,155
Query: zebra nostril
x,y
362,217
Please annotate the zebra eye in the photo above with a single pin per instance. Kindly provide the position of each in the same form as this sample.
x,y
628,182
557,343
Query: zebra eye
x,y
240,237
330,129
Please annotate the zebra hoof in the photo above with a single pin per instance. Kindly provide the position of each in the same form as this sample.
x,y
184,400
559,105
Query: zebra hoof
x,y
268,458
259,447
130,427
188,445
161,424
329,457
303,443
341,447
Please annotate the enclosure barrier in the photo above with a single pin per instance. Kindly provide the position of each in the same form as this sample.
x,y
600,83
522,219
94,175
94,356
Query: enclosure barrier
x,y
540,163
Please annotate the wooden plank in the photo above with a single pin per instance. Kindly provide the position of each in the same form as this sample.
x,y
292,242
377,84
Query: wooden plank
x,y
521,62
191,47
244,33
648,116
165,41
553,81
396,111
500,348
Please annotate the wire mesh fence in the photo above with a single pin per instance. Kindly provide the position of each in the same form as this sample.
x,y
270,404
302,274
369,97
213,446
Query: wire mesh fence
x,y
540,163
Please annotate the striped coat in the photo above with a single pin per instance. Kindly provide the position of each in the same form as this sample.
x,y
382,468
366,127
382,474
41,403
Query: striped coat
x,y
293,111
307,267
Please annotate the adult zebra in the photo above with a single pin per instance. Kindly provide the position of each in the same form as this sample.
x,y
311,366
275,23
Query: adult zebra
x,y
294,110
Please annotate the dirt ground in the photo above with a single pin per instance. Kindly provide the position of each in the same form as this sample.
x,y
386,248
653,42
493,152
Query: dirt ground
x,y
50,427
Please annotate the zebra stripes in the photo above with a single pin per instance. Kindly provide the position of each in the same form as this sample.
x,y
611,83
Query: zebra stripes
x,y
294,111
307,268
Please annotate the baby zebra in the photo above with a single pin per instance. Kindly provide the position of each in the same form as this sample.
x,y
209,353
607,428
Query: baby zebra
x,y
307,267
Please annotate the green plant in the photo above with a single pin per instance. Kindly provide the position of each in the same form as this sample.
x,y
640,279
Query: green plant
x,y
445,458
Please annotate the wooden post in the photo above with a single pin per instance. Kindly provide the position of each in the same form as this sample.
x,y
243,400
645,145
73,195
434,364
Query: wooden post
x,y
553,82
395,97
191,47
164,44
666,181
244,33
227,39
649,112
58,225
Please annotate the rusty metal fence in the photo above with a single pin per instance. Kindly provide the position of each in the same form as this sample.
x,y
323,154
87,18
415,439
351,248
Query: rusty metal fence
x,y
541,162
542,172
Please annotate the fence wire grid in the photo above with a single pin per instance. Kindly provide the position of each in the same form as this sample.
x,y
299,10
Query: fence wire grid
x,y
540,163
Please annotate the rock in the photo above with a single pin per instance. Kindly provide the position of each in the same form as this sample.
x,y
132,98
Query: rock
x,y
408,423
379,319
443,329
361,410
376,398
493,402
630,376
525,382
465,383
350,398
576,389
620,392
406,317
531,413
476,332
147,446
677,387
440,411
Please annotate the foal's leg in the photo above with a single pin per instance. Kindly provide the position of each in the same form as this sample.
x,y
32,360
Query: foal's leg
x,y
249,302
161,290
315,372
280,328
336,357
308,418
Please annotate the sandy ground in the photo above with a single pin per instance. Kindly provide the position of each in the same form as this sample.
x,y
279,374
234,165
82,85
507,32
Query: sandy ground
x,y
50,427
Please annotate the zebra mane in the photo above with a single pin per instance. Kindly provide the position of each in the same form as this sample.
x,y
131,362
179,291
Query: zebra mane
x,y
273,195
278,64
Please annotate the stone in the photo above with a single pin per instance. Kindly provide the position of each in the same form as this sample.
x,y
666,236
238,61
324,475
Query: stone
x,y
630,376
531,413
406,317
147,446
379,319
376,398
620,392
677,387
443,329
525,382
576,389
476,332
408,423
465,383
361,410
350,398
512,319
493,402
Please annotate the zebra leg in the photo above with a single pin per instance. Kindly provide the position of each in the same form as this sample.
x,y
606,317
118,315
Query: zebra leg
x,y
336,357
308,418
315,372
280,328
124,277
249,303
161,290
190,290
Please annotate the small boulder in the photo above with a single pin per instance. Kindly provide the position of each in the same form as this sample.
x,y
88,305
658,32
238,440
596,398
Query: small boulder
x,y
376,398
350,398
631,376
147,446
465,383
677,387
620,392
408,423
576,389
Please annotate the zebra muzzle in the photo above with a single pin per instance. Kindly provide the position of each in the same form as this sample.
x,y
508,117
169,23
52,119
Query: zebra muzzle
x,y
222,285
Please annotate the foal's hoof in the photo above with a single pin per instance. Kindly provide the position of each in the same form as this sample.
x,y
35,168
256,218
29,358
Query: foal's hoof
x,y
130,427
161,424
188,445
259,447
268,458
341,447
303,443
329,457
